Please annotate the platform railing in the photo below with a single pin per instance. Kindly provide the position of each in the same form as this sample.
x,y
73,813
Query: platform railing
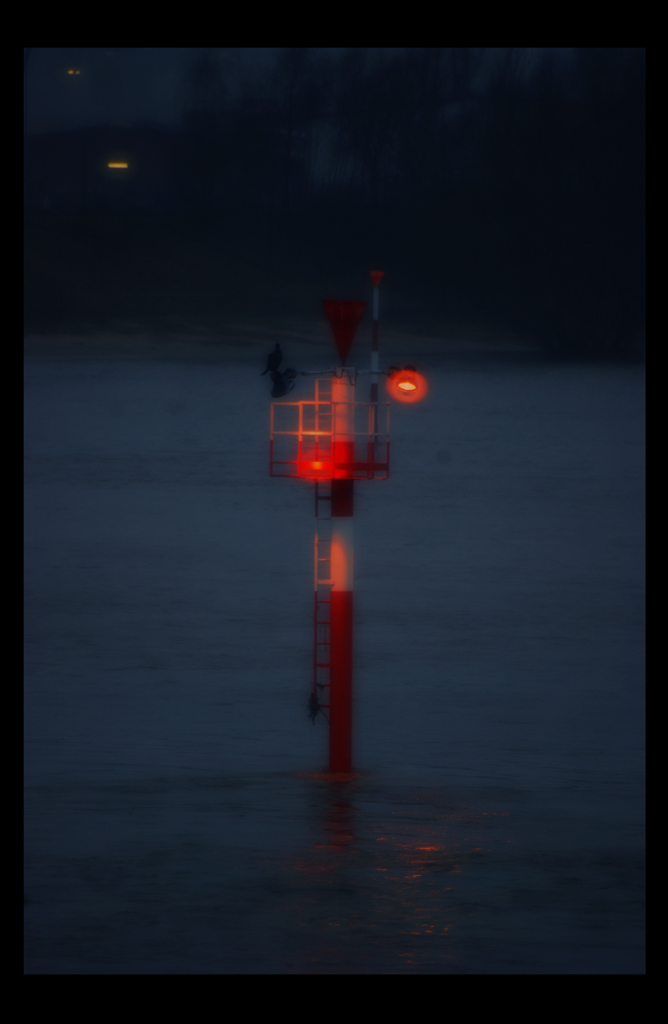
x,y
303,443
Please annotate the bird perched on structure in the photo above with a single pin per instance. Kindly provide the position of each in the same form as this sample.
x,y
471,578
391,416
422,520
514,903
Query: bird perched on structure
x,y
313,707
274,360
283,382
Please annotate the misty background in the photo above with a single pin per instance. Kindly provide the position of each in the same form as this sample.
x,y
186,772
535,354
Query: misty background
x,y
502,186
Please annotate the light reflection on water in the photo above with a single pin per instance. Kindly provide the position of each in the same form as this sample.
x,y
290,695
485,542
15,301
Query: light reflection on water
x,y
380,892
277,873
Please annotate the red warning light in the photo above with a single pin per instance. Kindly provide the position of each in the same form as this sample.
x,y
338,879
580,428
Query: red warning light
x,y
406,385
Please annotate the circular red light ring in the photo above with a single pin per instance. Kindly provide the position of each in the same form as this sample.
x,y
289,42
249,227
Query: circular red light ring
x,y
415,394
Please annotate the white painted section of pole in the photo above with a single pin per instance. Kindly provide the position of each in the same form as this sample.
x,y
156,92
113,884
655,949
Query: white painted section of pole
x,y
343,419
341,553
373,395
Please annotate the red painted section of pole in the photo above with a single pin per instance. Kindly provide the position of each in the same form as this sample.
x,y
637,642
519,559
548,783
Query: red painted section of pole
x,y
341,681
342,499
344,456
341,628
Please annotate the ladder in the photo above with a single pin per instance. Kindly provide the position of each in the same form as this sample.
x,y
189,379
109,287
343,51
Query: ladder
x,y
322,662
322,573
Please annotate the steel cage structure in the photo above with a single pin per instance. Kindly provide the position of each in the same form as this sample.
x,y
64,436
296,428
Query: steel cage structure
x,y
304,442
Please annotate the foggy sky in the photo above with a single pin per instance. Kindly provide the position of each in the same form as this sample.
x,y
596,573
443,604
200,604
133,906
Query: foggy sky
x,y
120,85
134,85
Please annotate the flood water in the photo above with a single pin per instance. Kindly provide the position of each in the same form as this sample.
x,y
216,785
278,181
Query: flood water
x,y
178,816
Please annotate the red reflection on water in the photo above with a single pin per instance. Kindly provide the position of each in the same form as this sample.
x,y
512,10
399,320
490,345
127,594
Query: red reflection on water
x,y
329,776
382,895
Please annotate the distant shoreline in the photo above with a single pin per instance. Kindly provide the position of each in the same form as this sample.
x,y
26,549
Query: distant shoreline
x,y
305,345
247,340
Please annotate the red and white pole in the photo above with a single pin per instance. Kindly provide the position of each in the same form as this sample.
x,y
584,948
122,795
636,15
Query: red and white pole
x,y
344,318
341,568
376,276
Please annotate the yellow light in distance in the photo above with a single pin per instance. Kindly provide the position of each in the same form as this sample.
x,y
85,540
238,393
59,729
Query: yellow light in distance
x,y
116,163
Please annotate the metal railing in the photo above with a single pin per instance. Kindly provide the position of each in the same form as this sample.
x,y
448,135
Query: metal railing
x,y
304,444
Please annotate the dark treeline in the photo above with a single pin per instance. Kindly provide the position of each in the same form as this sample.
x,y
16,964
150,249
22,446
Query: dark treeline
x,y
507,185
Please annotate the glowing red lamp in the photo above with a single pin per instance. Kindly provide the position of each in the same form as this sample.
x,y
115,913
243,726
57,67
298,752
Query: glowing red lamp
x,y
406,385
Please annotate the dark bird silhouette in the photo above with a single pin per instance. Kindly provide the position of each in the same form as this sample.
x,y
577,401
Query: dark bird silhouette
x,y
274,360
313,707
283,382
